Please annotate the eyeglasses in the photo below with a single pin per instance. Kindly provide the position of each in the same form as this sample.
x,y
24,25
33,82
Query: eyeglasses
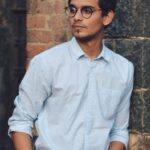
x,y
85,11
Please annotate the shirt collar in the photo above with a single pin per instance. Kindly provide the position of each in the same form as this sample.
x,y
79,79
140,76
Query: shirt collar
x,y
78,52
105,53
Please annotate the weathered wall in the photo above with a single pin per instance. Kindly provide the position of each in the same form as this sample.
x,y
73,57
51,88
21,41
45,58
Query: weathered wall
x,y
46,25
9,45
129,35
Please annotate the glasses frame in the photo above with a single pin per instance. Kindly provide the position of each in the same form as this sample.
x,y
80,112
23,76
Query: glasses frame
x,y
81,11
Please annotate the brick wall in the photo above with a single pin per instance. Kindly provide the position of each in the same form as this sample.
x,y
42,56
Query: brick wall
x,y
46,25
129,35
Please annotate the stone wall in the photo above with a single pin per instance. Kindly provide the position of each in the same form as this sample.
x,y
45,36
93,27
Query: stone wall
x,y
129,35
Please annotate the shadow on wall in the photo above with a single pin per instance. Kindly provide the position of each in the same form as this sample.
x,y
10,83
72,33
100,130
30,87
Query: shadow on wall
x,y
12,60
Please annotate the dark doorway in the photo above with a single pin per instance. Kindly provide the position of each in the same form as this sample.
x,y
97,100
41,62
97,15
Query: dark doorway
x,y
12,60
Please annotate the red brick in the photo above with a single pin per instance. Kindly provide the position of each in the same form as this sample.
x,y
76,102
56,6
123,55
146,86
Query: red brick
x,y
57,22
46,25
59,6
40,6
36,21
34,49
39,36
60,36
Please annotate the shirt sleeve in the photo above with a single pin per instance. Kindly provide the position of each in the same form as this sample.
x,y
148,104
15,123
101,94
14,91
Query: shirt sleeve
x,y
119,131
34,89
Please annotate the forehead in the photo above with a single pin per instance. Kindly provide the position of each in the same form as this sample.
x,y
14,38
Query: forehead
x,y
80,3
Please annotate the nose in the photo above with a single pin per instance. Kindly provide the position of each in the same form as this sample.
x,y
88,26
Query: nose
x,y
78,15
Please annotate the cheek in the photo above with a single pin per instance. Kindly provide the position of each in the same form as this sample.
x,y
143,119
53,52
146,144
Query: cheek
x,y
95,25
71,21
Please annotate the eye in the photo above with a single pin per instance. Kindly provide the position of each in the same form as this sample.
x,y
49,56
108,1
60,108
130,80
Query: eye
x,y
87,10
72,9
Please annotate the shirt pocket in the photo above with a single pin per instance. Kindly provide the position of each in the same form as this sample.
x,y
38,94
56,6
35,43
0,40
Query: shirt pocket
x,y
109,102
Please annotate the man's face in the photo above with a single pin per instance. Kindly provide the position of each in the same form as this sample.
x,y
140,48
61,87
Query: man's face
x,y
83,28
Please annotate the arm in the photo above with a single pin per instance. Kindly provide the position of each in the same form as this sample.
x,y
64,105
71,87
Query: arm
x,y
22,141
116,146
33,91
119,132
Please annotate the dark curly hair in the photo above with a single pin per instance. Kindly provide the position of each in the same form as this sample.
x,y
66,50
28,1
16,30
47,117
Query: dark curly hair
x,y
105,5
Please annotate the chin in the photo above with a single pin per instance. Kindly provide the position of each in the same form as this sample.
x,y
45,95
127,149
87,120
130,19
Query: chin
x,y
84,38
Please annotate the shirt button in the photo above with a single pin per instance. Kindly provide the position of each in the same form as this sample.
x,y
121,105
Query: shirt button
x,y
92,64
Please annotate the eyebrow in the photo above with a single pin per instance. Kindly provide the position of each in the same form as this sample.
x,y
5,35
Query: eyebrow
x,y
72,5
81,6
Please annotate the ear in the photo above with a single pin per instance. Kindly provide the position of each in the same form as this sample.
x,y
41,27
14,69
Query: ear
x,y
108,18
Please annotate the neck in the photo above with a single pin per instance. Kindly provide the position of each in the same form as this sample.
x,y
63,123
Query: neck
x,y
91,47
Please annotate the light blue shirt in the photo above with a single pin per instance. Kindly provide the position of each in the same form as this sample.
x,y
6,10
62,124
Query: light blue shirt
x,y
76,103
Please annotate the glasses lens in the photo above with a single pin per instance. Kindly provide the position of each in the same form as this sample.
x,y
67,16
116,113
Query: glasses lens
x,y
86,12
71,11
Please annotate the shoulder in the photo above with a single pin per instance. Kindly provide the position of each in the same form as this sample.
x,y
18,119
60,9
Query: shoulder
x,y
119,60
122,65
124,62
52,55
55,51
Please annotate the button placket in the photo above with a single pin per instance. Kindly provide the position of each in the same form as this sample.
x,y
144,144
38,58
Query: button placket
x,y
89,104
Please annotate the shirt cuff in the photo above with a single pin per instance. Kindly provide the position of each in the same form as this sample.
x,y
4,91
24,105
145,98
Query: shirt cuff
x,y
20,129
121,139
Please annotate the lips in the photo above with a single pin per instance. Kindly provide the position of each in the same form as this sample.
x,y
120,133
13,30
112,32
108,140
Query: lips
x,y
78,27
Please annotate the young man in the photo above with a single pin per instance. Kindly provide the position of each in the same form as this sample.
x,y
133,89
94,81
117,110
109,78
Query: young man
x,y
77,93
